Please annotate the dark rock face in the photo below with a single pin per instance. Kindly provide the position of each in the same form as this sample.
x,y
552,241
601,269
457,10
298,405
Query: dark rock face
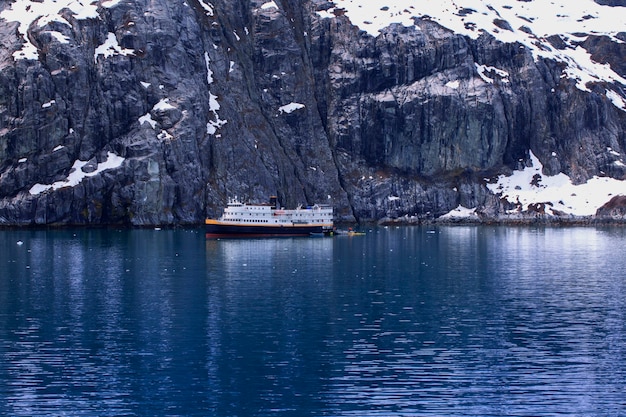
x,y
614,208
156,112
612,2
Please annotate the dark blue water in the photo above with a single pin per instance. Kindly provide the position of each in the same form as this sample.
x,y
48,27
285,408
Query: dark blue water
x,y
454,321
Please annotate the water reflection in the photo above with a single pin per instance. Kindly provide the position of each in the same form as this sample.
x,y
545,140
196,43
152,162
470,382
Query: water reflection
x,y
458,321
502,323
267,301
91,321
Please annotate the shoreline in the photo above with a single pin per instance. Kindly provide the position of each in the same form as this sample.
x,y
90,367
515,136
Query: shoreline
x,y
510,221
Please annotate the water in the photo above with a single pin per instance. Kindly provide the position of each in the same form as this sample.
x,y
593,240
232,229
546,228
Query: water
x,y
447,321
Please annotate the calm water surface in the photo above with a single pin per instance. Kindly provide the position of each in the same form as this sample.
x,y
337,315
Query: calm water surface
x,y
432,321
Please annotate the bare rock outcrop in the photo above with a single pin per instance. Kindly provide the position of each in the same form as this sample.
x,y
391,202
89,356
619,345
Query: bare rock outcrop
x,y
155,112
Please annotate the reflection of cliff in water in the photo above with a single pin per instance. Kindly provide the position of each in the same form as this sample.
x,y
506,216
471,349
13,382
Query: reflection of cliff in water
x,y
261,294
247,260
243,273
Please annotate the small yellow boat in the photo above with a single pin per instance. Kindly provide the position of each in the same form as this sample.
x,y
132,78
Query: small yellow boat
x,y
356,233
349,232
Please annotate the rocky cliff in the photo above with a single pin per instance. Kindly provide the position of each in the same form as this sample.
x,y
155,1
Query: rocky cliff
x,y
154,112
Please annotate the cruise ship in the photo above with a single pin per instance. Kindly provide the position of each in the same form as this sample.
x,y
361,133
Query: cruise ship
x,y
269,219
